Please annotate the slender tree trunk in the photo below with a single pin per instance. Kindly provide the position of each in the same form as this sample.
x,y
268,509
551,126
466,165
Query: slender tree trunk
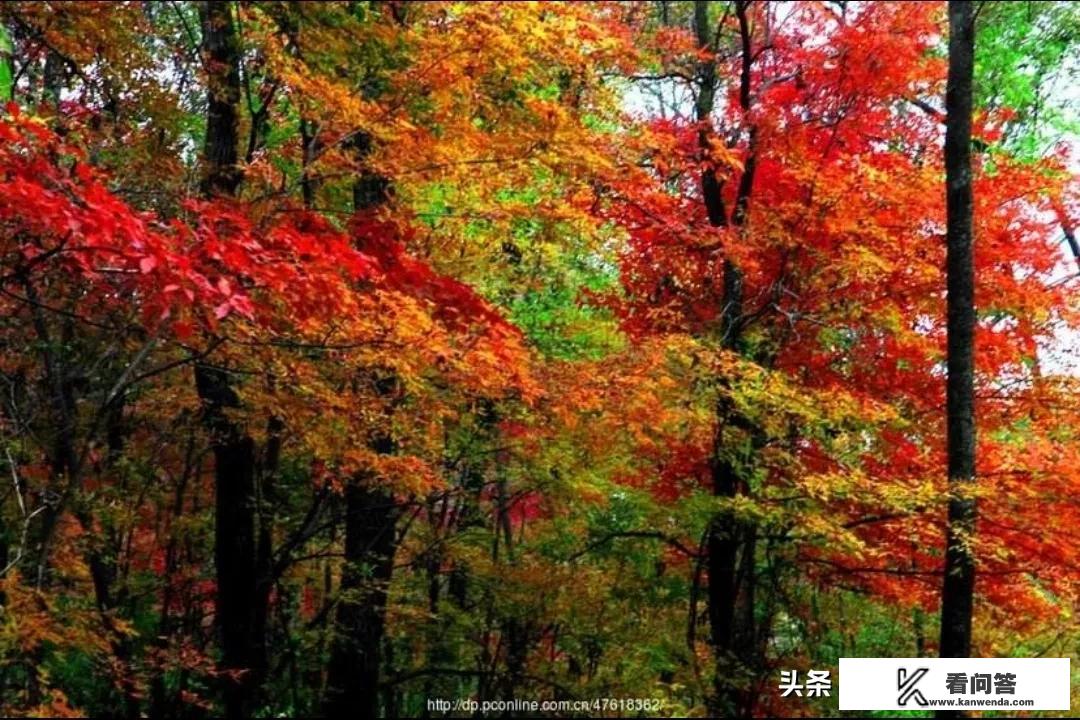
x,y
371,511
235,542
221,58
959,583
371,516
731,550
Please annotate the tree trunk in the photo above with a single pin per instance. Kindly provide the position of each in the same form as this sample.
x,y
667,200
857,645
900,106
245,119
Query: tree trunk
x,y
234,541
221,58
235,544
730,543
371,516
959,583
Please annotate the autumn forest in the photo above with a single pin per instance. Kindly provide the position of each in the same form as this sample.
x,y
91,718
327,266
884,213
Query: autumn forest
x,y
361,356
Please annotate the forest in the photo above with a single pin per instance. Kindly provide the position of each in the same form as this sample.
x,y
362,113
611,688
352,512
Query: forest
x,y
383,359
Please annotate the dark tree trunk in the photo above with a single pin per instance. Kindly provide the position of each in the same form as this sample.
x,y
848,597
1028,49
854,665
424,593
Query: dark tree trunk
x,y
234,541
730,543
711,186
266,503
371,516
221,58
959,583
235,545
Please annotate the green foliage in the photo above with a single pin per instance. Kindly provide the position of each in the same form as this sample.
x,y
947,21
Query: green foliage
x,y
7,60
1026,62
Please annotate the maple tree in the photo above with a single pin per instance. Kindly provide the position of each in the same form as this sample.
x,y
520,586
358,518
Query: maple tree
x,y
359,354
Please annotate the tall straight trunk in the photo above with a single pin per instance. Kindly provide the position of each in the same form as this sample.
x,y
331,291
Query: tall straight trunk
x,y
730,545
235,542
958,588
371,517
221,59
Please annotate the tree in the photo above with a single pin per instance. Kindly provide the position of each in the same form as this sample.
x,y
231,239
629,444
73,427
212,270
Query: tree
x,y
235,544
958,590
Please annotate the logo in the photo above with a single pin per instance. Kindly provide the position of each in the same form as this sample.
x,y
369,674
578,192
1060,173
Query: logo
x,y
905,685
1004,685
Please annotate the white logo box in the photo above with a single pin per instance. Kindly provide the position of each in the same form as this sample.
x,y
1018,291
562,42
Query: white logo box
x,y
925,684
